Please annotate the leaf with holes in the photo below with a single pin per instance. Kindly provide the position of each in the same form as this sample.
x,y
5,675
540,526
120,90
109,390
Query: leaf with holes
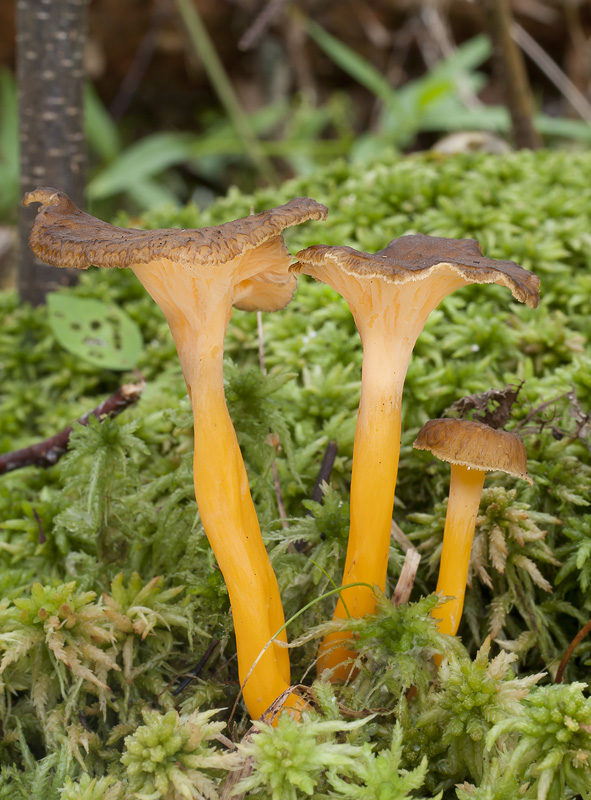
x,y
95,332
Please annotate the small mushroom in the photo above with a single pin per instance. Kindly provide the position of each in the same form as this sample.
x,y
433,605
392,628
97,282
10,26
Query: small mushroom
x,y
473,449
390,293
196,276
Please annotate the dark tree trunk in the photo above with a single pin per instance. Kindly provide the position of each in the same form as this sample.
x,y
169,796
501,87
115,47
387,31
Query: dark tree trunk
x,y
510,67
51,36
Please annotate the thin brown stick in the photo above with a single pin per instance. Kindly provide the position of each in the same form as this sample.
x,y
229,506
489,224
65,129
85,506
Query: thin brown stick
x,y
407,577
399,536
41,538
563,83
535,411
325,470
570,650
225,741
196,671
49,451
237,775
260,25
222,667
332,448
512,73
576,59
141,60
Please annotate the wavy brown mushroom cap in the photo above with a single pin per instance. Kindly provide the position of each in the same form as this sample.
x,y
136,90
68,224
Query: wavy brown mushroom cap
x,y
475,445
414,257
65,236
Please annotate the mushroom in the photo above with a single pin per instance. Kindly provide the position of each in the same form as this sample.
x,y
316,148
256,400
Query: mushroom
x,y
196,276
473,449
390,293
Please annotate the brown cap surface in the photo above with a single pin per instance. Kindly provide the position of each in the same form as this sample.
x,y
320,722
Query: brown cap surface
x,y
64,236
414,257
474,444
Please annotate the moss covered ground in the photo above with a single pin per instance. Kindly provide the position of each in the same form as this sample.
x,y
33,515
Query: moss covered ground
x,y
110,591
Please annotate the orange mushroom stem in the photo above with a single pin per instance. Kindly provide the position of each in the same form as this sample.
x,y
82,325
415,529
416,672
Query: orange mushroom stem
x,y
472,448
196,277
465,491
391,294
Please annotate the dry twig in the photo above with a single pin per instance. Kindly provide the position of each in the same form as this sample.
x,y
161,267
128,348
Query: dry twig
x,y
141,60
325,470
244,771
399,536
493,407
260,25
196,671
570,650
562,82
513,75
49,451
407,577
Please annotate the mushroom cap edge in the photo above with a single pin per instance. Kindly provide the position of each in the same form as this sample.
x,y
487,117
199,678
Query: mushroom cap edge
x,y
415,256
473,444
65,236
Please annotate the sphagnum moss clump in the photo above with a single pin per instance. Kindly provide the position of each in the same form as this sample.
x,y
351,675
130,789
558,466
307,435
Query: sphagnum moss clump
x,y
172,757
293,758
551,740
87,788
497,784
319,758
62,640
381,775
469,698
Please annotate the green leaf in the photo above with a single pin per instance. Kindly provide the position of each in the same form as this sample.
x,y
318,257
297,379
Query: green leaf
x,y
9,143
496,118
467,57
101,131
147,158
96,332
149,193
356,66
8,118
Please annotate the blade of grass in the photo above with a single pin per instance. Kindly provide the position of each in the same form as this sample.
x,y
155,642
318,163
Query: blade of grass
x,y
356,66
466,58
496,118
148,157
280,630
9,142
144,159
102,135
216,73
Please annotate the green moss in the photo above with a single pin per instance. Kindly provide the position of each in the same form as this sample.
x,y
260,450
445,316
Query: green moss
x,y
122,502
